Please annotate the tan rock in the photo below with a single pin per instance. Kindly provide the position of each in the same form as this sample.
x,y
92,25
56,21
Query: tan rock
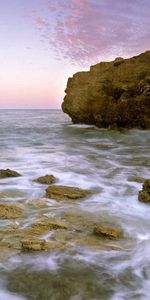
x,y
60,192
111,94
4,173
10,211
47,179
107,232
41,228
34,245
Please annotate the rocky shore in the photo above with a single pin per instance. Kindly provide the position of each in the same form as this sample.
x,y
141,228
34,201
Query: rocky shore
x,y
112,94
65,230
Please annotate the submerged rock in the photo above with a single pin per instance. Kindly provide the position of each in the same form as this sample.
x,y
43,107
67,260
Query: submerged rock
x,y
47,179
4,173
34,245
10,211
60,192
44,227
112,94
144,194
107,232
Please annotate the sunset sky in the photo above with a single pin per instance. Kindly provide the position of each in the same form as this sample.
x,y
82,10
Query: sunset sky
x,y
43,42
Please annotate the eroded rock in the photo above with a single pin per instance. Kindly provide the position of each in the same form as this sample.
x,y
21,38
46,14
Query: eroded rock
x,y
144,194
60,192
112,94
4,173
10,211
107,232
47,179
44,227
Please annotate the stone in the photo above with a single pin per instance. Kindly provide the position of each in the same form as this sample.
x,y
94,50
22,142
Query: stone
x,y
10,211
107,232
146,185
47,179
59,192
44,227
4,173
34,245
144,194
111,94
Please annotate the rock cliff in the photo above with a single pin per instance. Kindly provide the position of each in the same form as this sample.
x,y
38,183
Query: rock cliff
x,y
112,94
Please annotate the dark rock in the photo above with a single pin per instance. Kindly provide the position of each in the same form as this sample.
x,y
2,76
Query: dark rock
x,y
112,94
107,232
8,173
146,185
60,192
144,194
47,179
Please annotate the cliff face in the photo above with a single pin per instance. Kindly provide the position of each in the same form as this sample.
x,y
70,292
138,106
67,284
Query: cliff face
x,y
112,94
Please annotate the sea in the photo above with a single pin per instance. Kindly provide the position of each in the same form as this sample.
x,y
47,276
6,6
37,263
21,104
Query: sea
x,y
113,164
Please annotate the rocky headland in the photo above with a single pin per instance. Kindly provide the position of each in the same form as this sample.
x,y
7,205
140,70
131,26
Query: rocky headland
x,y
112,94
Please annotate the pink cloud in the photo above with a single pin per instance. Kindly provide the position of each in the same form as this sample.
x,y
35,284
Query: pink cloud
x,y
86,30
41,21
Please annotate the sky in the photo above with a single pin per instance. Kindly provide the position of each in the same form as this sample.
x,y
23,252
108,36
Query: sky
x,y
43,42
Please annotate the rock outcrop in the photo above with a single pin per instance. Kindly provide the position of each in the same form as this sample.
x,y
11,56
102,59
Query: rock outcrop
x,y
112,94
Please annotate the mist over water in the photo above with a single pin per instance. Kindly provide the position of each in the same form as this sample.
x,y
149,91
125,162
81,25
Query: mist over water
x,y
40,142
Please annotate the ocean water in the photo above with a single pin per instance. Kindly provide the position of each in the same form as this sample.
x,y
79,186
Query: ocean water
x,y
40,142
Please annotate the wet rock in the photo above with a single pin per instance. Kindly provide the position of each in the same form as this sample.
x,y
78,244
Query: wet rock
x,y
146,185
8,173
10,211
60,192
112,94
34,245
136,179
44,227
107,232
144,194
47,179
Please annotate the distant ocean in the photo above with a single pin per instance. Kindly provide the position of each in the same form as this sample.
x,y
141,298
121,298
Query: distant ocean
x,y
40,142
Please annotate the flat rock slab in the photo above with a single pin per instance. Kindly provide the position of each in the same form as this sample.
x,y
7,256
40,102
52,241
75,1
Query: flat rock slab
x,y
144,194
60,192
107,232
8,173
10,211
47,179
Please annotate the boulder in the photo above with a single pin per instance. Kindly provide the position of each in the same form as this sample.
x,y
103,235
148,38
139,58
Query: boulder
x,y
47,179
144,194
10,211
107,232
60,192
4,173
111,94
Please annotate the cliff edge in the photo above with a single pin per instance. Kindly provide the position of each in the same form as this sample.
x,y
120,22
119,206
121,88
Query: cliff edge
x,y
112,94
